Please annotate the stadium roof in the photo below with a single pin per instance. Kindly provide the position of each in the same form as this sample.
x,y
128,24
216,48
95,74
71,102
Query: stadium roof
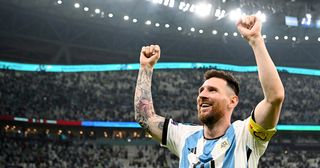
x,y
113,31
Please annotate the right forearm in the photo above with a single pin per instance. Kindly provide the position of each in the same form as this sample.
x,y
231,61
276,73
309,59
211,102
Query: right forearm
x,y
144,109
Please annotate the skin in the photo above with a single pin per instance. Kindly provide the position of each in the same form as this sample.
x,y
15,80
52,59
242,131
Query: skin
x,y
220,99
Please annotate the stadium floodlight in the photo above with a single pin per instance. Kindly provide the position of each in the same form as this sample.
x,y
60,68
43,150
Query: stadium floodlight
x,y
203,9
214,32
148,22
319,39
235,14
126,17
219,13
86,9
277,37
306,22
97,11
110,15
186,8
169,3
285,37
192,8
226,34
235,34
193,29
294,38
134,20
306,38
76,5
157,1
200,31
157,24
179,28
166,25
181,5
262,16
59,2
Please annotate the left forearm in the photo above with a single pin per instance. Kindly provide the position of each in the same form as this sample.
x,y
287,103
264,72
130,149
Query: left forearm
x,y
269,78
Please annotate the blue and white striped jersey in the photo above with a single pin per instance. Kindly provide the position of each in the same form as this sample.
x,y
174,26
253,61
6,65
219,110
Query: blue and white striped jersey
x,y
241,146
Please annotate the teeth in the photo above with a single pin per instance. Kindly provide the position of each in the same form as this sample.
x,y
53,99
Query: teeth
x,y
205,105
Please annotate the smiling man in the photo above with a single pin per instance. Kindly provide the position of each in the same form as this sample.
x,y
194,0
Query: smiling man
x,y
217,142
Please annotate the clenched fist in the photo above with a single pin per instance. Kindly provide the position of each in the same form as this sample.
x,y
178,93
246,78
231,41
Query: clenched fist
x,y
250,28
149,55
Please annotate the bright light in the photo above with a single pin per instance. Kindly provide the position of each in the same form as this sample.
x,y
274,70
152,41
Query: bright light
x,y
77,5
157,24
148,22
97,11
134,20
157,1
59,2
214,32
184,6
277,37
306,37
193,29
262,16
318,38
192,8
308,16
126,17
171,4
179,28
200,31
226,34
166,25
110,15
203,9
264,36
235,34
219,13
235,14
285,37
86,9
294,38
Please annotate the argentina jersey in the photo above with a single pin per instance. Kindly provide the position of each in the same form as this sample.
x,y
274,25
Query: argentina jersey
x,y
241,146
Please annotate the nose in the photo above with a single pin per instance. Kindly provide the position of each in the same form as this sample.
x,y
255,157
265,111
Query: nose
x,y
203,94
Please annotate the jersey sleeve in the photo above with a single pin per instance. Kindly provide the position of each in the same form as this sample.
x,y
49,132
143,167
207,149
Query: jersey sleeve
x,y
257,137
174,135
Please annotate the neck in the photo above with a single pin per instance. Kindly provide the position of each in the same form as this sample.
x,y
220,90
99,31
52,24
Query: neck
x,y
216,129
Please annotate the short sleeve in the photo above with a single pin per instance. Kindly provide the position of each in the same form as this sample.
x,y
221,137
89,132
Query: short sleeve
x,y
174,135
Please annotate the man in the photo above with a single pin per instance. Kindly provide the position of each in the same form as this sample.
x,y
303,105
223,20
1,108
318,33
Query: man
x,y
217,143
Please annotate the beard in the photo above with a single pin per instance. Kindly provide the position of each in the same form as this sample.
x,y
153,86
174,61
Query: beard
x,y
210,117
206,119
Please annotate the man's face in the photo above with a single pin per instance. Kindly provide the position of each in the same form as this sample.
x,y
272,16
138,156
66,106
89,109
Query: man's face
x,y
213,99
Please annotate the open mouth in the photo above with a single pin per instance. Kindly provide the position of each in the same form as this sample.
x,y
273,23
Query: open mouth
x,y
204,105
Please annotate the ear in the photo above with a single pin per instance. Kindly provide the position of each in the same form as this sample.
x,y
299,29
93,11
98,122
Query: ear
x,y
234,100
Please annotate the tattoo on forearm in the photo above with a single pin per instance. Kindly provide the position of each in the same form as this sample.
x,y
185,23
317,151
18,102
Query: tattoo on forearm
x,y
143,98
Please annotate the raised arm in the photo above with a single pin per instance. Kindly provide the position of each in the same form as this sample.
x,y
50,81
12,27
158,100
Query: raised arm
x,y
143,104
267,112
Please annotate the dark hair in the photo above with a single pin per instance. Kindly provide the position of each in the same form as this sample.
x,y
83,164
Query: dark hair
x,y
231,80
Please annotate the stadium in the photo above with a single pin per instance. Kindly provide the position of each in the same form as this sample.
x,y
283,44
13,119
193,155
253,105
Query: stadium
x,y
69,69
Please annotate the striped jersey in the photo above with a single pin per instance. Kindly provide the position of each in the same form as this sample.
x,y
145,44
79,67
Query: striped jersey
x,y
241,146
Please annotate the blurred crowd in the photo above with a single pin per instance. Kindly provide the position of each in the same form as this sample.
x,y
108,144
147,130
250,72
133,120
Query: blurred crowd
x,y
108,96
39,152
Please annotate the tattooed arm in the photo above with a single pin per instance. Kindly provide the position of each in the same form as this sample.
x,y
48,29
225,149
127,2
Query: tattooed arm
x,y
144,110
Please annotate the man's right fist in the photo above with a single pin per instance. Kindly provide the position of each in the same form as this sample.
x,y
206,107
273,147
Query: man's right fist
x,y
149,55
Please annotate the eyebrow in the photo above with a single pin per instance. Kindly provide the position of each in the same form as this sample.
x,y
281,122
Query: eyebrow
x,y
206,86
